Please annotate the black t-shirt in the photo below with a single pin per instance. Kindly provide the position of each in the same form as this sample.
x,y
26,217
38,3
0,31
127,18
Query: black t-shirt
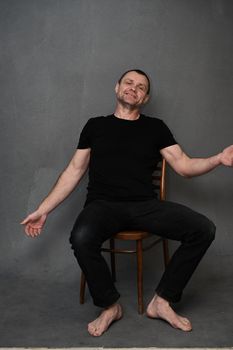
x,y
124,155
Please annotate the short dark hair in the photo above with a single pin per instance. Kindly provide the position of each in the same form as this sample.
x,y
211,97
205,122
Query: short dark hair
x,y
139,71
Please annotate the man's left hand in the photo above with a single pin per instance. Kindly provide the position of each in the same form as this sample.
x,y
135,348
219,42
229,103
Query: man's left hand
x,y
226,157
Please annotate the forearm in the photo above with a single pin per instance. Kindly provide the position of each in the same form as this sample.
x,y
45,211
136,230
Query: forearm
x,y
189,167
65,184
199,166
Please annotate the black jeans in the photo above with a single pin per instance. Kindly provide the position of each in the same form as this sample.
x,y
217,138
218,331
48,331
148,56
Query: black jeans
x,y
101,219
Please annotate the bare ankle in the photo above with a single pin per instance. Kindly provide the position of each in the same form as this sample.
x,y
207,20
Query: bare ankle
x,y
113,306
161,300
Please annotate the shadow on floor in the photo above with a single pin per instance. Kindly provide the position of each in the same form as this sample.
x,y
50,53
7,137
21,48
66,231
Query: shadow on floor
x,y
46,313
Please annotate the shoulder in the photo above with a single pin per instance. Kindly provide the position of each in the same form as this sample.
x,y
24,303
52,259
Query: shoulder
x,y
91,123
153,120
96,120
158,126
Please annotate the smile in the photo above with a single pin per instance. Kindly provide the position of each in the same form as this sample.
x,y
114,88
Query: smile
x,y
129,94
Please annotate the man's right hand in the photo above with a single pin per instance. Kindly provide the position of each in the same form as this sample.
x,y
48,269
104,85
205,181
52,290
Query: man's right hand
x,y
65,184
34,223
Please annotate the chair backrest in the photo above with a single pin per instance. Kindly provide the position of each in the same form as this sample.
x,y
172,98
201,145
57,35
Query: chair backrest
x,y
158,179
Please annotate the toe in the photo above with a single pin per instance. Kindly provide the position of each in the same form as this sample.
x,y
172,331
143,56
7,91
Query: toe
x,y
185,320
91,329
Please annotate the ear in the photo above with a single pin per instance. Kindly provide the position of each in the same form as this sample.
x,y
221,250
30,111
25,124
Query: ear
x,y
117,88
146,99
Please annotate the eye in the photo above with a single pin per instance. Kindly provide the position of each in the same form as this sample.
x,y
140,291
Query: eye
x,y
142,88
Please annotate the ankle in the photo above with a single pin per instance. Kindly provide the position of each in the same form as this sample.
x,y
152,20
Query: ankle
x,y
114,309
161,301
113,306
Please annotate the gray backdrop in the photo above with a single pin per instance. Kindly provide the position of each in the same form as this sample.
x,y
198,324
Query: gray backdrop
x,y
60,61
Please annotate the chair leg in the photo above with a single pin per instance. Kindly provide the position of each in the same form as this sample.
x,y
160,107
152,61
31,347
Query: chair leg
x,y
82,288
139,276
165,252
112,257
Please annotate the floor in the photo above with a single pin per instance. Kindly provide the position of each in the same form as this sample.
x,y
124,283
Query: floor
x,y
45,312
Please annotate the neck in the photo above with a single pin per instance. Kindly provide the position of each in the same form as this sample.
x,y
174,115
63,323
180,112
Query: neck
x,y
126,113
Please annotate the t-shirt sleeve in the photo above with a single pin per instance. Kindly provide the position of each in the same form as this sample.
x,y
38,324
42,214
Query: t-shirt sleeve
x,y
166,137
85,136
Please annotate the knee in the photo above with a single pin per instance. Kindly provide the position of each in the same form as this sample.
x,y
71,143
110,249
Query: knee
x,y
80,237
202,232
208,230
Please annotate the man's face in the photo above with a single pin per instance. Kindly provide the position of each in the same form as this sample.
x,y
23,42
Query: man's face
x,y
132,90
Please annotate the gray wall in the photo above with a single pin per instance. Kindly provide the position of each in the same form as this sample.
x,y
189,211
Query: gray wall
x,y
59,64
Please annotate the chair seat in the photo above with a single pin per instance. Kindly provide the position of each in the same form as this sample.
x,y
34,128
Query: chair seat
x,y
132,235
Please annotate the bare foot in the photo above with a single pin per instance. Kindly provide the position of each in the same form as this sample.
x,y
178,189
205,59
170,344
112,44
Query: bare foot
x,y
102,323
160,308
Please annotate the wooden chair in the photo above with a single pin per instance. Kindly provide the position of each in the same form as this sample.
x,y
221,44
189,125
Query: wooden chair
x,y
138,237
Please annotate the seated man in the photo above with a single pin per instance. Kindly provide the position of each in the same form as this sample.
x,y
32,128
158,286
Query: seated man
x,y
121,151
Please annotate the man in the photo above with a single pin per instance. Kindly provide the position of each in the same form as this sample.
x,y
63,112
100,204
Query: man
x,y
121,151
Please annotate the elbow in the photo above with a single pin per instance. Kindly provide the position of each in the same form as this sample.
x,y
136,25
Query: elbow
x,y
74,174
184,173
187,176
184,169
79,173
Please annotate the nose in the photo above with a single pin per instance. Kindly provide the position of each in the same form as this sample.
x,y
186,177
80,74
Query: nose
x,y
133,87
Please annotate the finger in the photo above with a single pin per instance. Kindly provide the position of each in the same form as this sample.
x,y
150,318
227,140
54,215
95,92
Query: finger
x,y
31,217
27,233
27,230
36,232
37,226
25,221
31,231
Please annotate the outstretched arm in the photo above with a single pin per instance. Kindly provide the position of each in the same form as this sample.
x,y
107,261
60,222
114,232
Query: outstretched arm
x,y
189,167
65,184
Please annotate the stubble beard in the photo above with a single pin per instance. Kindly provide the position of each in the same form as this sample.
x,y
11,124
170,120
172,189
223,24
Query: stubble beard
x,y
129,106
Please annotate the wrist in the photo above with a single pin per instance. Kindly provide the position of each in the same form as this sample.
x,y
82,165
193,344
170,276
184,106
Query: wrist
x,y
42,210
216,160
